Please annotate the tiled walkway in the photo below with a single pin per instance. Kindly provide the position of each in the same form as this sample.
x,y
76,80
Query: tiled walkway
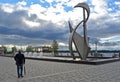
x,y
45,71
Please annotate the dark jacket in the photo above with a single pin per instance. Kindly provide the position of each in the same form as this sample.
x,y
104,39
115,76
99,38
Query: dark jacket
x,y
19,58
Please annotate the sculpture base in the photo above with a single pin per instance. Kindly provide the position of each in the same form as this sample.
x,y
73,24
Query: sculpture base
x,y
91,61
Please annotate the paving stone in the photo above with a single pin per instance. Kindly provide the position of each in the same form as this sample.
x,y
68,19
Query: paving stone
x,y
45,71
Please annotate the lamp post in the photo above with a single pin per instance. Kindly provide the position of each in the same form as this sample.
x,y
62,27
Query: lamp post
x,y
96,42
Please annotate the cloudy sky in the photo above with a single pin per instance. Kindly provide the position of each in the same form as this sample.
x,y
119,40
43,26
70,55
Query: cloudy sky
x,y
39,22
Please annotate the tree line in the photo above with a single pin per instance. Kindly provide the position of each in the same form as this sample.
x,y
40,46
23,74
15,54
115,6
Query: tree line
x,y
53,48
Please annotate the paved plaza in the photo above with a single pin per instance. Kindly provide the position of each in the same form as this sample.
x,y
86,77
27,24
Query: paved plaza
x,y
46,71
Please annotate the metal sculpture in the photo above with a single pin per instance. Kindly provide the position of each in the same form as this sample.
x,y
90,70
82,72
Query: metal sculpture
x,y
81,43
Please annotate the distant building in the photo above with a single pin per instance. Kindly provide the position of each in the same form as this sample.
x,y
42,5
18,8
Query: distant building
x,y
42,49
37,49
1,51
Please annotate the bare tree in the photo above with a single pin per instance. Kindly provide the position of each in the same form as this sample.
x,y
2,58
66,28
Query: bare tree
x,y
55,47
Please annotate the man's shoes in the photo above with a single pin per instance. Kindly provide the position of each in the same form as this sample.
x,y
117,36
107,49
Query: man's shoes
x,y
18,76
22,76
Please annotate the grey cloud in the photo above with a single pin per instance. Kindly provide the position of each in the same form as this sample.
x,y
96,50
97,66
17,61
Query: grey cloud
x,y
103,27
12,24
20,40
13,20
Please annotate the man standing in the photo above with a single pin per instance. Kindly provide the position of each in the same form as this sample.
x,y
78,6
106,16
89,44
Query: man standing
x,y
20,60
